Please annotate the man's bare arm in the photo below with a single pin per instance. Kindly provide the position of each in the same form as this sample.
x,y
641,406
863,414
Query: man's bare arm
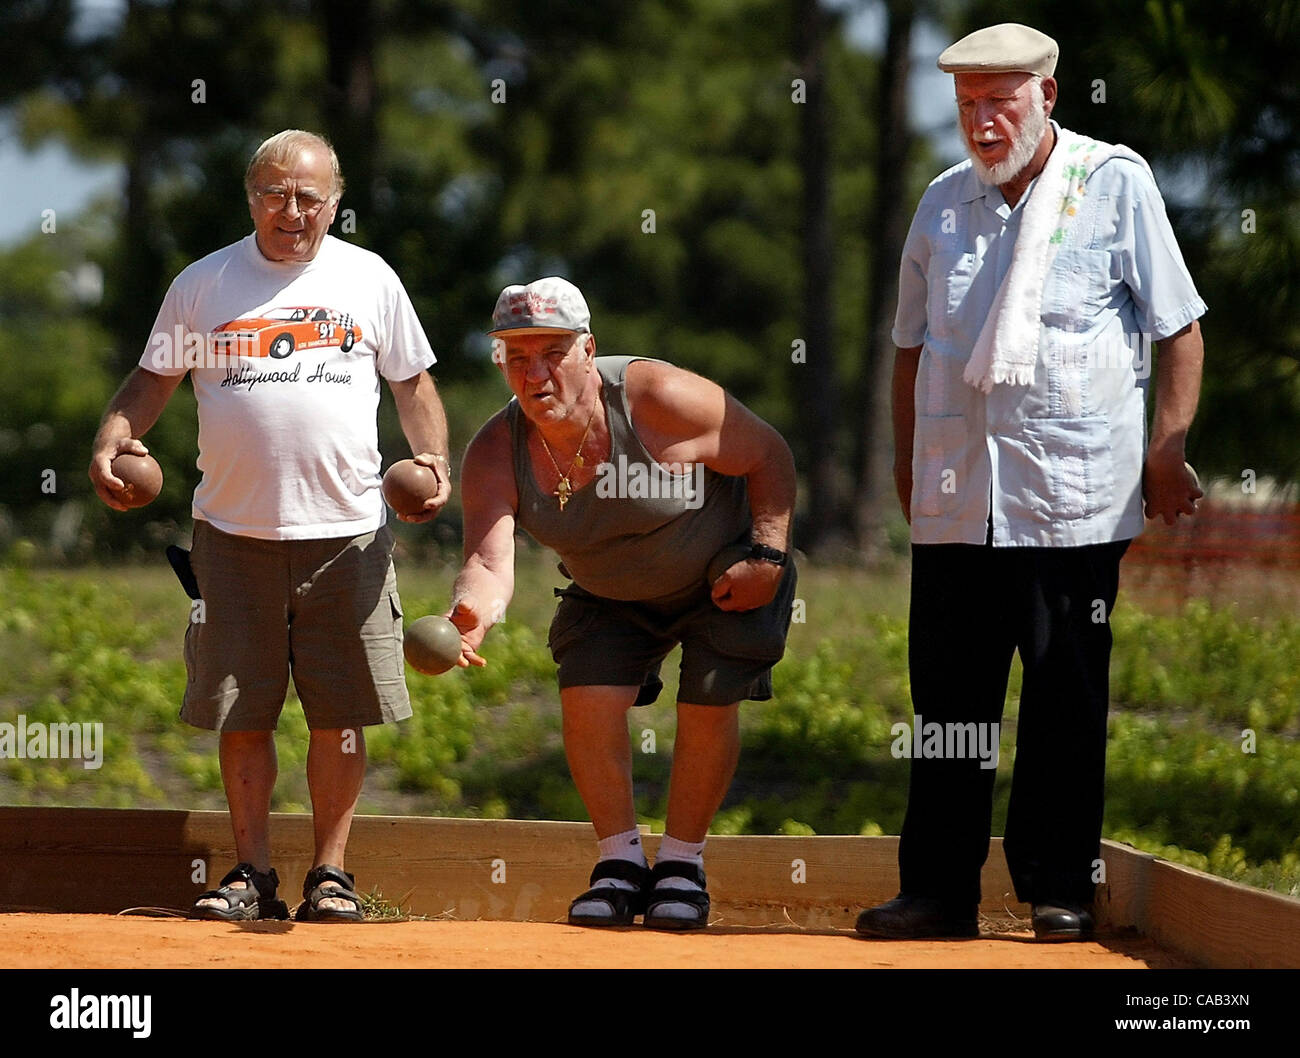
x,y
424,422
903,400
1168,488
131,412
486,582
684,418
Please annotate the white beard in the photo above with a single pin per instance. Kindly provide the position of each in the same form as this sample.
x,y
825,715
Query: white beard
x,y
1022,149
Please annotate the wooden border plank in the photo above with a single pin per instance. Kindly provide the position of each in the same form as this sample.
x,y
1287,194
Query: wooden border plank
x,y
105,860
1213,921
458,868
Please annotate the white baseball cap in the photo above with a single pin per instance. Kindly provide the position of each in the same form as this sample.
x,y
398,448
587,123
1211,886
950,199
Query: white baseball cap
x,y
549,304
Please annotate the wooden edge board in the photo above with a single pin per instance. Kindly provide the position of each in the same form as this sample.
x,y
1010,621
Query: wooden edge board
x,y
105,860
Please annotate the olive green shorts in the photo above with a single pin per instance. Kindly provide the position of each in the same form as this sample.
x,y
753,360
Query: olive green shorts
x,y
325,611
727,656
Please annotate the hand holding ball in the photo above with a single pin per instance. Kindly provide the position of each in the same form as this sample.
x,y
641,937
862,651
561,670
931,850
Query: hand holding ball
x,y
142,477
407,484
432,645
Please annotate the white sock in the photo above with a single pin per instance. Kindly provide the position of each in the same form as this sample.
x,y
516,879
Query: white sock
x,y
624,846
686,851
672,848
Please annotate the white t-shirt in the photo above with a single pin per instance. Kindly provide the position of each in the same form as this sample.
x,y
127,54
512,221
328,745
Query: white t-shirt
x,y
286,359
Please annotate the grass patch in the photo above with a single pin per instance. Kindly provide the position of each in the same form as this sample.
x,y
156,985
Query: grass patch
x,y
378,908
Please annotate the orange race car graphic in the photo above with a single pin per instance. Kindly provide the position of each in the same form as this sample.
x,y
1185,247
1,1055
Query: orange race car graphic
x,y
278,332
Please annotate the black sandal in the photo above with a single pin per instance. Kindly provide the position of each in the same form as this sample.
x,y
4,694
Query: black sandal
x,y
624,904
697,898
327,882
257,901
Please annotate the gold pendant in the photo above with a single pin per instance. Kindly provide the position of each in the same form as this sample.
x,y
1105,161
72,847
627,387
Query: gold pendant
x,y
562,490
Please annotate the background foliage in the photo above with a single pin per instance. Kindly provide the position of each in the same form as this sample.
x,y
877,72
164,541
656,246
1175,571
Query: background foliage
x,y
683,107
770,227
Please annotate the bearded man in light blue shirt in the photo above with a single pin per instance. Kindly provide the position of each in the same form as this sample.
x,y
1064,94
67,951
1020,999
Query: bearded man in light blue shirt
x,y
1034,280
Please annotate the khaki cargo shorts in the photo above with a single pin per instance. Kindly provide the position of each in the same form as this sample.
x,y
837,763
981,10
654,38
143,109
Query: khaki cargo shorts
x,y
325,611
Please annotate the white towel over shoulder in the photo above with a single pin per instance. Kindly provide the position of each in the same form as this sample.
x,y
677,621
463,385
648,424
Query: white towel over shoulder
x,y
1007,348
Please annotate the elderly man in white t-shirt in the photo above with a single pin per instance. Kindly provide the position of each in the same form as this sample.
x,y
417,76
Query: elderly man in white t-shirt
x,y
286,335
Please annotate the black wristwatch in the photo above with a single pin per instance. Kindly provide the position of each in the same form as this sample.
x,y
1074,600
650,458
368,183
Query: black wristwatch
x,y
768,554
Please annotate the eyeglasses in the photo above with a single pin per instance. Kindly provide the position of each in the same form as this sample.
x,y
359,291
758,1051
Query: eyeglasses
x,y
309,204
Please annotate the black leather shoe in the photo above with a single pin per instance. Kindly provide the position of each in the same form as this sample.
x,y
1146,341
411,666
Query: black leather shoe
x,y
912,917
1060,920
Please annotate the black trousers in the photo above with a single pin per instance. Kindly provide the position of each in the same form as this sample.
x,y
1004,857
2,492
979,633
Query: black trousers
x,y
972,608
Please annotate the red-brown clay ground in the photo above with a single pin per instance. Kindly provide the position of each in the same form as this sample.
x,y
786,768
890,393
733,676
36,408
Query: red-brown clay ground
x,y
107,941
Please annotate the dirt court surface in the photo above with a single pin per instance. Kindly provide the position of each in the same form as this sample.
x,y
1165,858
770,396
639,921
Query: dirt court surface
x,y
121,941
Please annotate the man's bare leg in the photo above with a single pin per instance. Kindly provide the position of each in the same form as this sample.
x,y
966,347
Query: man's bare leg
x,y
705,754
336,771
248,771
600,755
600,760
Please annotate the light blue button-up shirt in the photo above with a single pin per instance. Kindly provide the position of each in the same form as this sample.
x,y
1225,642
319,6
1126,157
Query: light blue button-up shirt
x,y
1058,463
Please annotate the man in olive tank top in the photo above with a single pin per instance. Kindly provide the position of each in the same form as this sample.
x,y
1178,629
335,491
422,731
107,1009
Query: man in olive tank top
x,y
637,474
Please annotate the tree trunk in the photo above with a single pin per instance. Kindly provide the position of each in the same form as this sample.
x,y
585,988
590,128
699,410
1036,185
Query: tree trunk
x,y
350,103
819,397
875,500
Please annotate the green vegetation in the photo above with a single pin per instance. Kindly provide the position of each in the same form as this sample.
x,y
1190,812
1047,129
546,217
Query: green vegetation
x,y
377,907
1190,691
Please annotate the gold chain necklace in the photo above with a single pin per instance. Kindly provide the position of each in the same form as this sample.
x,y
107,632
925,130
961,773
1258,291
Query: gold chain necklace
x,y
564,488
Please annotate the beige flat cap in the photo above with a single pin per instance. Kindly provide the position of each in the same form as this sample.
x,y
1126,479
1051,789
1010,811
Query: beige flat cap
x,y
1007,48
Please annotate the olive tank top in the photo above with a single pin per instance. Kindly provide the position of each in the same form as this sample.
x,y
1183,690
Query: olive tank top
x,y
636,532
